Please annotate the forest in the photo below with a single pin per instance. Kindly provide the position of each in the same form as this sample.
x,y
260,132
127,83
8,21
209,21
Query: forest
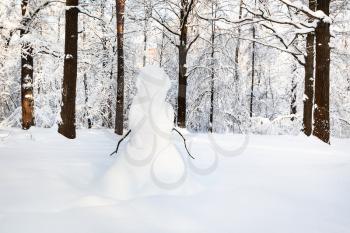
x,y
240,66
135,106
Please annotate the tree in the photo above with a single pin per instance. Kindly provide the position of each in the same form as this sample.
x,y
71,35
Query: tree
x,y
322,72
27,98
119,119
107,67
281,34
212,68
252,70
309,78
67,126
322,68
186,9
238,41
293,106
147,17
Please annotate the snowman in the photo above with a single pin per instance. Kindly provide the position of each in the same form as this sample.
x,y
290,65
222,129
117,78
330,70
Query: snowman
x,y
149,163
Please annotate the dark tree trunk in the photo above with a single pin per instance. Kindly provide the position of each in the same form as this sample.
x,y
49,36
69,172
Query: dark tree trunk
x,y
212,93
253,76
212,81
27,97
67,126
321,112
253,71
119,118
293,106
309,78
181,99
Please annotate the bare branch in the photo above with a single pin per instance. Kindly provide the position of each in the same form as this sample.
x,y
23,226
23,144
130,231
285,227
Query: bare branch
x,y
164,24
192,42
91,16
281,39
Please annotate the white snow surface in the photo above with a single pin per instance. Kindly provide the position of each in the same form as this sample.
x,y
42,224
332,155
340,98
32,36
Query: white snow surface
x,y
277,184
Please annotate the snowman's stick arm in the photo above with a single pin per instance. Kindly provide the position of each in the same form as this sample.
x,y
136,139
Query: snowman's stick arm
x,y
116,150
184,139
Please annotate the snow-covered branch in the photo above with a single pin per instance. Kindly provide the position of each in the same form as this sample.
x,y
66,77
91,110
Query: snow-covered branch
x,y
299,6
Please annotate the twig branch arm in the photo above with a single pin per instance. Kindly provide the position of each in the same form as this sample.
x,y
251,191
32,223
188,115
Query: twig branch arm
x,y
122,139
184,139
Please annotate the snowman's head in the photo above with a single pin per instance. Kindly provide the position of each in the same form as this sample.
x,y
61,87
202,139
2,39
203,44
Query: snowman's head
x,y
152,81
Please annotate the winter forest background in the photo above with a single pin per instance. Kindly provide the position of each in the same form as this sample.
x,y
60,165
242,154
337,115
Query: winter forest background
x,y
187,116
244,58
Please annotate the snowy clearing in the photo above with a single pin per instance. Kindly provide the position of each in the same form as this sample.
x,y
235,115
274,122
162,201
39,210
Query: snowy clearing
x,y
279,184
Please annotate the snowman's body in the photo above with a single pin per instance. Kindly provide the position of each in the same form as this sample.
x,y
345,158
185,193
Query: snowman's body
x,y
149,163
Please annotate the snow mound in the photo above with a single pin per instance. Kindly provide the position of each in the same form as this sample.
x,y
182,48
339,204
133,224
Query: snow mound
x,y
149,163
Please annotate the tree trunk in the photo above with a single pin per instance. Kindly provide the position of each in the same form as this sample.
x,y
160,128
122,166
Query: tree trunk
x,y
119,118
86,92
253,76
86,87
67,126
162,48
212,81
144,59
145,31
238,42
106,110
109,100
293,106
309,78
181,98
321,112
27,97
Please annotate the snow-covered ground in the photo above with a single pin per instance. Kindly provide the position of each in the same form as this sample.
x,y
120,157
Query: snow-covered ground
x,y
282,184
